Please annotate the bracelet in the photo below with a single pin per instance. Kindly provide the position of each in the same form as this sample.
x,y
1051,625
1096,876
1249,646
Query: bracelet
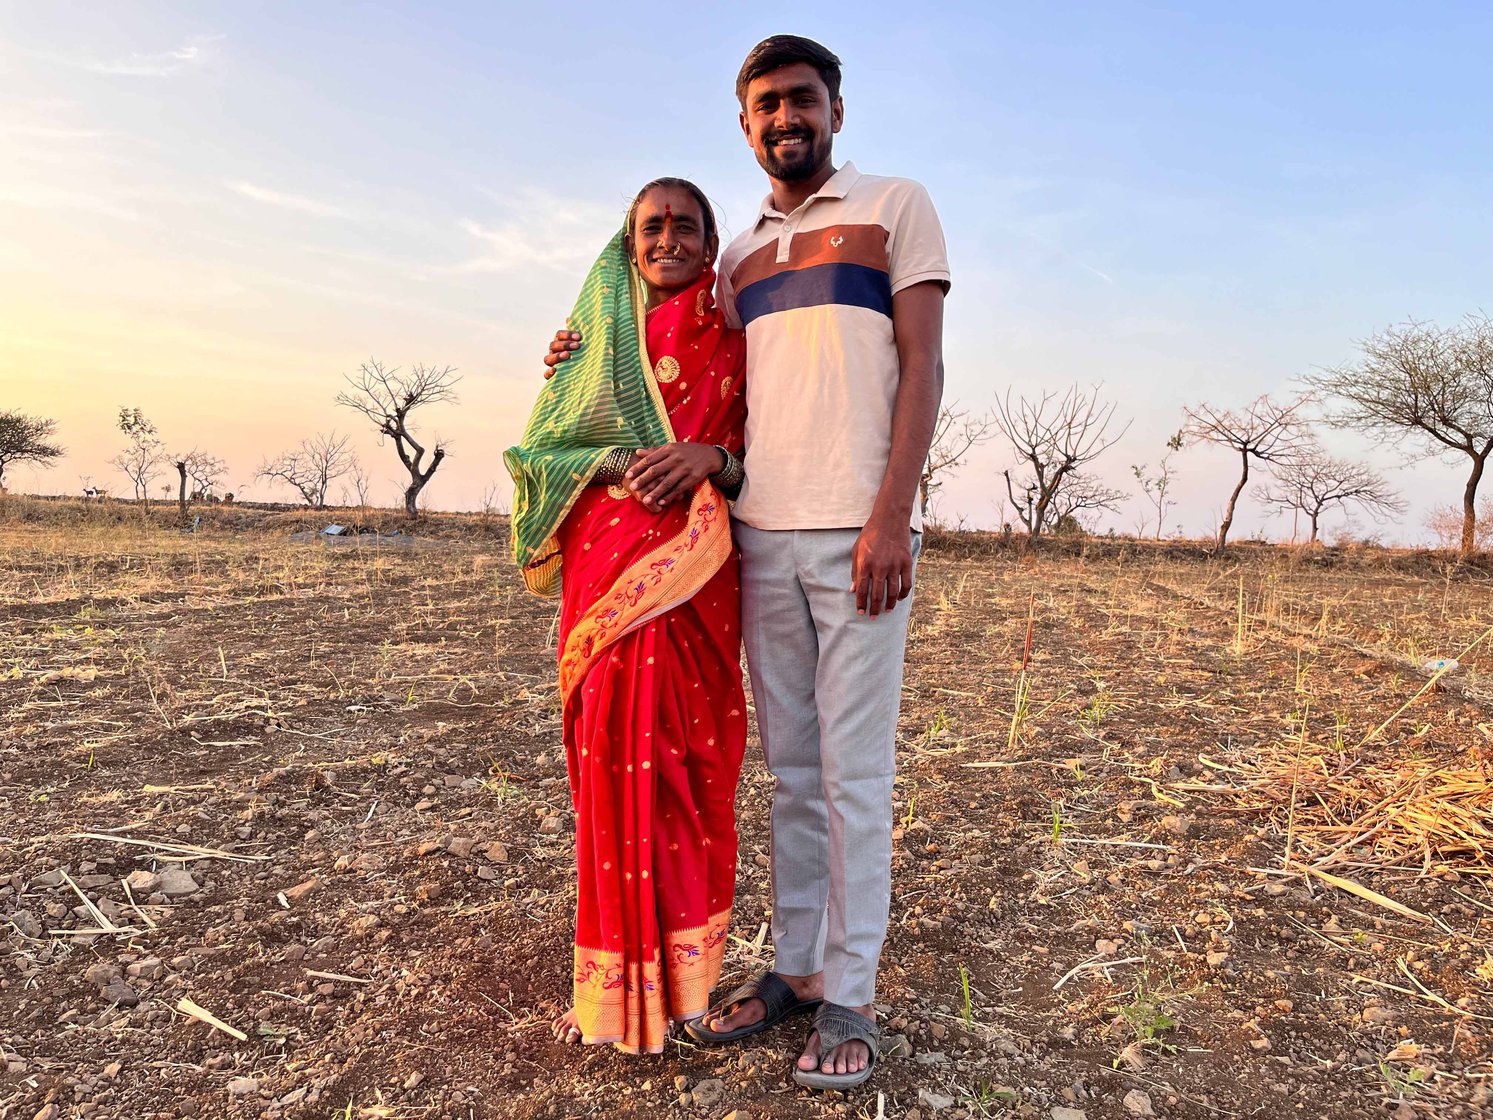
x,y
612,469
730,477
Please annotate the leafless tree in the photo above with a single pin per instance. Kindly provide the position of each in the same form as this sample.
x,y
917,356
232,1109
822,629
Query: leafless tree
x,y
1312,481
387,397
1082,493
1446,523
26,439
142,460
361,483
956,433
1156,486
1264,430
312,467
202,471
1431,383
1053,437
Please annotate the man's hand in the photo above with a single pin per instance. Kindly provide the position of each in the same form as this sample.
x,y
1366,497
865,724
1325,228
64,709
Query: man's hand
x,y
665,474
881,565
560,348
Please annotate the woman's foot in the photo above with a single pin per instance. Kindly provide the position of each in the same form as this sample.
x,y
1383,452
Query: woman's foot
x,y
567,1028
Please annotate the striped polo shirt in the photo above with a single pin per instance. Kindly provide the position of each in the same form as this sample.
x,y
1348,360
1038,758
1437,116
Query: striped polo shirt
x,y
814,291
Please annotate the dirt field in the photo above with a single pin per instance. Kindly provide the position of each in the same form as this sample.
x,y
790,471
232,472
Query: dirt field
x,y
318,791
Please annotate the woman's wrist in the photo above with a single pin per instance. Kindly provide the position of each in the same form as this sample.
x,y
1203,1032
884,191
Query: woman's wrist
x,y
730,477
613,468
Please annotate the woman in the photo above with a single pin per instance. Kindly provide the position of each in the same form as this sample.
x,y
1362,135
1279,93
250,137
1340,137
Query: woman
x,y
619,507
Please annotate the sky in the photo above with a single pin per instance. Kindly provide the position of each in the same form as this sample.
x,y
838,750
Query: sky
x,y
214,212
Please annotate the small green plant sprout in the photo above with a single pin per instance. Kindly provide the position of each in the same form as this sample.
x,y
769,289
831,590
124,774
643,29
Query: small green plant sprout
x,y
1057,822
1099,706
1148,1012
967,1010
496,782
989,1099
1402,1085
911,804
1020,710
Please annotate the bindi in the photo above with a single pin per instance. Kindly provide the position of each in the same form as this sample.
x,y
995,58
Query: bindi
x,y
668,212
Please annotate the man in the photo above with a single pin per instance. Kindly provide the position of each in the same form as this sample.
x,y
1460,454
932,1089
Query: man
x,y
840,286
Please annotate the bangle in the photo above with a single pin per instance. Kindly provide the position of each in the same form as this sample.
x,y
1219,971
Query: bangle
x,y
730,477
611,469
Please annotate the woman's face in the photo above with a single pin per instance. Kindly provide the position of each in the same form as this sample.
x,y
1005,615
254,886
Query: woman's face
x,y
668,239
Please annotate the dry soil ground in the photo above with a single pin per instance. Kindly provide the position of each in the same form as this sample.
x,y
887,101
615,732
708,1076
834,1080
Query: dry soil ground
x,y
318,791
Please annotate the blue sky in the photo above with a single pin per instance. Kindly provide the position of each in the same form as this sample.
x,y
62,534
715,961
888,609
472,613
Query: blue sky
x,y
213,210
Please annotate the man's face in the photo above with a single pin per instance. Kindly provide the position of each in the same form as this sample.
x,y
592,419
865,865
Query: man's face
x,y
790,121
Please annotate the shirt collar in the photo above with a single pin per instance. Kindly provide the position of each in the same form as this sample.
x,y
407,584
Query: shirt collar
x,y
836,186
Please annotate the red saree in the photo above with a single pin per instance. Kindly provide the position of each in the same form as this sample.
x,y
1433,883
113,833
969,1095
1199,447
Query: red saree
x,y
654,714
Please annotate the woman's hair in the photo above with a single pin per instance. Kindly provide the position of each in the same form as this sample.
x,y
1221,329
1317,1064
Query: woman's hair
x,y
685,185
784,50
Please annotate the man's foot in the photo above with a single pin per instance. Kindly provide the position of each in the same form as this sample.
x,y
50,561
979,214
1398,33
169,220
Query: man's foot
x,y
726,1017
850,1056
567,1028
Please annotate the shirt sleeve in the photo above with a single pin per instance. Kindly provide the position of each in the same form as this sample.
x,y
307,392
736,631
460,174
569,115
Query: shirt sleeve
x,y
725,295
916,248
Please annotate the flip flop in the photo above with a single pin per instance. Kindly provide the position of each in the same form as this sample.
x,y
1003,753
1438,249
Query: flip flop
x,y
837,1025
776,996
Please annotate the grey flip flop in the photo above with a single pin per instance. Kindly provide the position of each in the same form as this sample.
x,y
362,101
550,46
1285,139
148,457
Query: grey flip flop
x,y
837,1025
776,996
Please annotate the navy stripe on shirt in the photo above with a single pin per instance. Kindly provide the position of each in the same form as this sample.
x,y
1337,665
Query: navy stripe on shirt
x,y
849,285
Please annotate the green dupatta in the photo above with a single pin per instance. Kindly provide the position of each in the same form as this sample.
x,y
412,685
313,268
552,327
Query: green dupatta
x,y
603,397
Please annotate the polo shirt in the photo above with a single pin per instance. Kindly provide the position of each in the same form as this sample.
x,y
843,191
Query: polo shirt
x,y
814,291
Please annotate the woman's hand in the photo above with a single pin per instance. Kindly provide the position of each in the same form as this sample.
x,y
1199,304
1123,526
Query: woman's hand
x,y
559,351
663,475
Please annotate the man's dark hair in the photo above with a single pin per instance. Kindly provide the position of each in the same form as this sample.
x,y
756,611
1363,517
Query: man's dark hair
x,y
778,51
707,214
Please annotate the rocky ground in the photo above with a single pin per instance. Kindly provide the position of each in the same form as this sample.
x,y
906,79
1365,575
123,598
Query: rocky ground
x,y
287,835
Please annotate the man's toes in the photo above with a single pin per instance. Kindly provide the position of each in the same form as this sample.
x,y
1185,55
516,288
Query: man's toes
x,y
809,1059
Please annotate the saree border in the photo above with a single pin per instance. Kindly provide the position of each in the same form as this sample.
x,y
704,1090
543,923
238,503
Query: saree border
x,y
654,583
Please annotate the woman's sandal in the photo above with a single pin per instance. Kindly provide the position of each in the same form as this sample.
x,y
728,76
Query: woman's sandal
x,y
837,1025
778,1000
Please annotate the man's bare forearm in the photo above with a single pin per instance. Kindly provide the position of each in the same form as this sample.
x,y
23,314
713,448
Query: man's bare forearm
x,y
917,320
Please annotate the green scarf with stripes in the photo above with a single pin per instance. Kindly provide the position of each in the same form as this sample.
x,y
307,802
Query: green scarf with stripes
x,y
600,399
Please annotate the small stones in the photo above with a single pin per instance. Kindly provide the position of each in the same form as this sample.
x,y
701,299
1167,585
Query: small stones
x,y
896,1046
151,968
552,826
102,974
1106,947
413,1080
1063,1112
301,890
142,882
243,1086
708,1093
460,846
177,882
496,853
120,993
26,924
935,1102
1138,1103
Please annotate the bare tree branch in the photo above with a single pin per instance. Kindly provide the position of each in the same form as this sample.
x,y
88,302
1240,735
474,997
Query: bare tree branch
x,y
1265,430
1053,437
1417,380
1313,481
26,439
312,467
956,433
386,397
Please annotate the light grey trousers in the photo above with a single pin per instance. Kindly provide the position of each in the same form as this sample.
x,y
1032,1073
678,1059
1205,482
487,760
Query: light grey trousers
x,y
827,684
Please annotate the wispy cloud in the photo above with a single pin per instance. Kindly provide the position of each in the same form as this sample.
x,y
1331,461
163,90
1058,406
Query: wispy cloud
x,y
538,228
288,201
44,132
162,64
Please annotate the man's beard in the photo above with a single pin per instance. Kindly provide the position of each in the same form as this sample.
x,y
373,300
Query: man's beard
x,y
801,167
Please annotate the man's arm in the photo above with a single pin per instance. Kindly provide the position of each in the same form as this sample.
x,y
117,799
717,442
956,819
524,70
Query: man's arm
x,y
881,564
